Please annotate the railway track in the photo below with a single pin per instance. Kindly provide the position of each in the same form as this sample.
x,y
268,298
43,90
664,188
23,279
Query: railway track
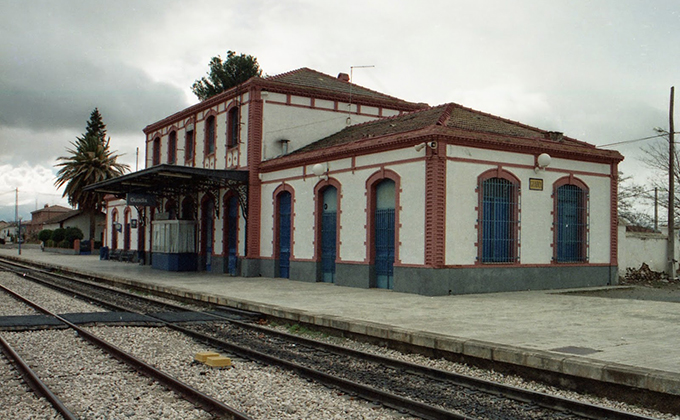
x,y
211,406
424,392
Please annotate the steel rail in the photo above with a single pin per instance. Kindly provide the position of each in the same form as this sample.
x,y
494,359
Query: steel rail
x,y
34,382
506,391
368,393
206,402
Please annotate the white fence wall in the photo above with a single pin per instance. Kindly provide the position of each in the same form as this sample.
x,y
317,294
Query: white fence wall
x,y
636,248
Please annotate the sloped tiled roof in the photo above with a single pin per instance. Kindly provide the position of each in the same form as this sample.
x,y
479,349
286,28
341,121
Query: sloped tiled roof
x,y
62,216
317,81
457,121
382,127
303,81
52,209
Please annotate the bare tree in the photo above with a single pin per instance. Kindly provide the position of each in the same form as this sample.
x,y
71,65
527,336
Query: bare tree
x,y
655,157
632,197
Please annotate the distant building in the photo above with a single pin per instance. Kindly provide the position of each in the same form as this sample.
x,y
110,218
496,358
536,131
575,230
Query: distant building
x,y
77,219
40,216
310,177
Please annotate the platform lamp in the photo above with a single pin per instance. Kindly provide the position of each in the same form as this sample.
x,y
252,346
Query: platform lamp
x,y
542,162
19,235
321,171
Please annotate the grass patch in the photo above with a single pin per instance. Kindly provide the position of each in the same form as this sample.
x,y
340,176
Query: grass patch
x,y
302,330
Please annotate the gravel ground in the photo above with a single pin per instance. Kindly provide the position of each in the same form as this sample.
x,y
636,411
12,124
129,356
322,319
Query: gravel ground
x,y
93,384
488,375
263,392
51,300
17,399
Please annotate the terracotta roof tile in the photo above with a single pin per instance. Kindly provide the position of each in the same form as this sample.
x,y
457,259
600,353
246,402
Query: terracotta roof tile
x,y
308,78
464,123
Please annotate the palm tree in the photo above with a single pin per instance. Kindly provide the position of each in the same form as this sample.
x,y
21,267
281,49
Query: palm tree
x,y
90,161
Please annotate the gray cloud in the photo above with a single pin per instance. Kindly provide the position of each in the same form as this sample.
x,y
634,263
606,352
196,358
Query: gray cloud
x,y
598,71
60,62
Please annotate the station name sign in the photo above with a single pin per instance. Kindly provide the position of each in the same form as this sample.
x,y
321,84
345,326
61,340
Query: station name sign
x,y
139,199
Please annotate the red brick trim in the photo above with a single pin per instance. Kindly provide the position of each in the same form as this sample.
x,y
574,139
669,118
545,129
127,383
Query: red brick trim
x,y
613,215
435,206
254,183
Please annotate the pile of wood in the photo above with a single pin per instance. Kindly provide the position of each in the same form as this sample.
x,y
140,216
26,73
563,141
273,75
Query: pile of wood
x,y
644,275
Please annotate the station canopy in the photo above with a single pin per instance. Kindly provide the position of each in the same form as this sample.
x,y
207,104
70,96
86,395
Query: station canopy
x,y
173,181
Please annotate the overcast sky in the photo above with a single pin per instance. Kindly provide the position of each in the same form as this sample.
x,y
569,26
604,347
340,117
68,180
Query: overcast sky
x,y
599,71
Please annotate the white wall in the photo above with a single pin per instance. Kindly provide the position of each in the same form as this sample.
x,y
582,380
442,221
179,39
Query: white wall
x,y
353,199
536,207
301,125
636,248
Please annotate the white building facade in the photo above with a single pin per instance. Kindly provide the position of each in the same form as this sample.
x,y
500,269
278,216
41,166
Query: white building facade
x,y
310,177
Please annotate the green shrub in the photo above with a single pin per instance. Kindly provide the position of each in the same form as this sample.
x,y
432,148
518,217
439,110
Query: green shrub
x,y
59,235
45,235
73,233
50,243
64,244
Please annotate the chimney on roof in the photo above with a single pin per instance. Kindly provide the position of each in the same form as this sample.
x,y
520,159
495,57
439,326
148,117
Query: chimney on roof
x,y
554,135
46,206
344,77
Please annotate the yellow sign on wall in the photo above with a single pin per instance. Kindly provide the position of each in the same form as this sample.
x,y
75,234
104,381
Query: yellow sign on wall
x,y
536,184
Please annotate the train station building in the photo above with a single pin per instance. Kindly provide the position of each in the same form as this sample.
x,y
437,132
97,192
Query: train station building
x,y
310,177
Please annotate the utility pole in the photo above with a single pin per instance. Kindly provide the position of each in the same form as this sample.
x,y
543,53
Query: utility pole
x,y
671,191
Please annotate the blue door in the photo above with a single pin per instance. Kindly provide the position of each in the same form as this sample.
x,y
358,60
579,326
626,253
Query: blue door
x,y
284,234
232,231
569,224
209,225
384,234
329,234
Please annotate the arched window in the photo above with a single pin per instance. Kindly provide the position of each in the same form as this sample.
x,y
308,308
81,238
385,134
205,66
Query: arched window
x,y
126,229
327,211
383,226
283,229
571,221
210,136
114,229
230,232
233,126
156,153
189,146
172,147
498,217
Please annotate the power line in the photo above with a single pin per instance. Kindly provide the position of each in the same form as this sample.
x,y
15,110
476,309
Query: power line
x,y
633,141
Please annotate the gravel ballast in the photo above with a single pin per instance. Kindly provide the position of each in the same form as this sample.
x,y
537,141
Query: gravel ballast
x,y
17,401
263,392
50,299
92,384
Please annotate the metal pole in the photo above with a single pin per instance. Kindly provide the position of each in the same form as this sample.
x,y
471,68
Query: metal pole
x,y
19,237
656,209
671,191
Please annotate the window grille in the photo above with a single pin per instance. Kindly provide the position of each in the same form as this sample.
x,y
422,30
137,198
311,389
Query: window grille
x,y
189,145
210,136
571,224
499,221
172,147
233,126
156,151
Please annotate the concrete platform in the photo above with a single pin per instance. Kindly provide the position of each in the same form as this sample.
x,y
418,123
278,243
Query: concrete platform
x,y
627,342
